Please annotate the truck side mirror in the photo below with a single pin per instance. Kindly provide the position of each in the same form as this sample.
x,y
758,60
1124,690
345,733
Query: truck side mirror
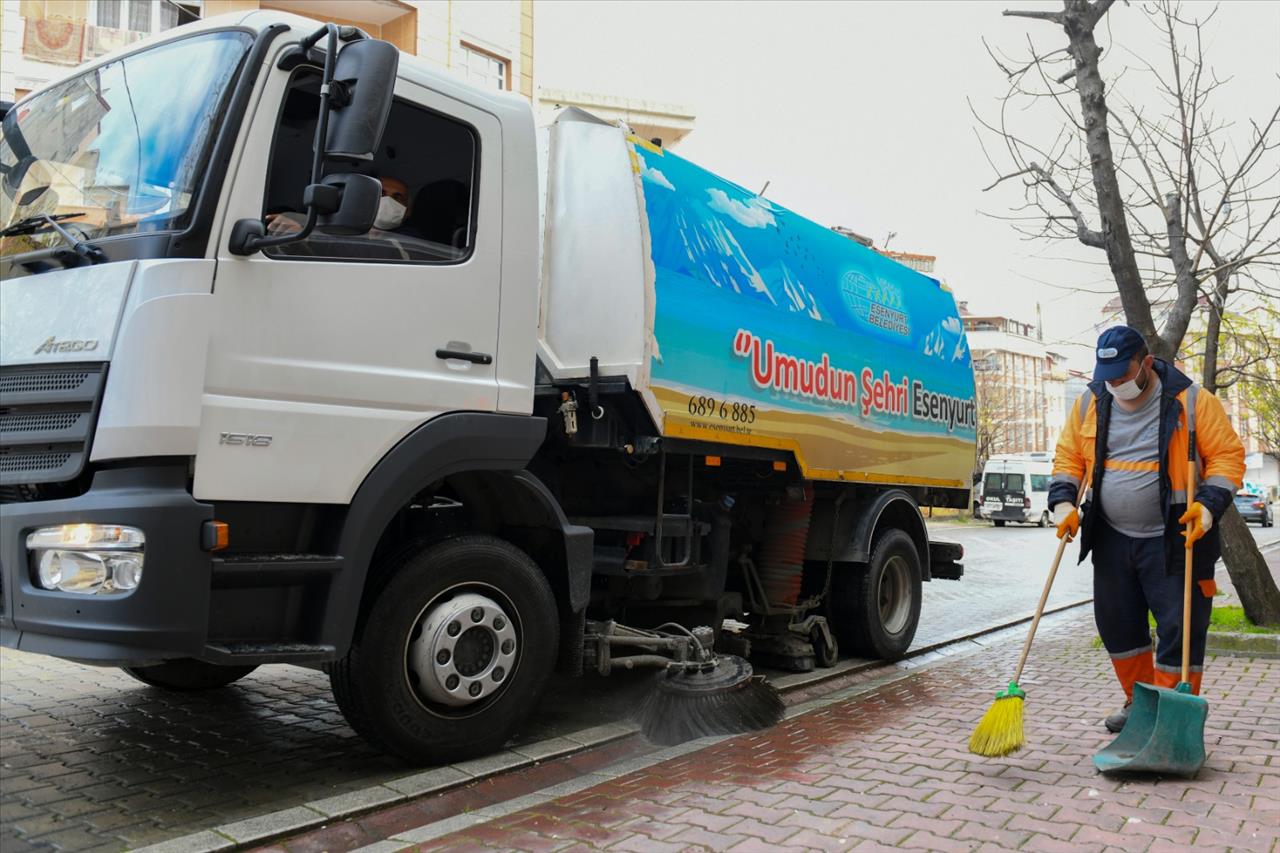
x,y
355,101
364,79
348,203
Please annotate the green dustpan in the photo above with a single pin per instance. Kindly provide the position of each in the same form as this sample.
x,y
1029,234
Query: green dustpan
x,y
1164,734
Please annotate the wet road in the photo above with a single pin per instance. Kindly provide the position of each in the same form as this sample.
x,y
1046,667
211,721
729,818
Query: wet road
x,y
91,759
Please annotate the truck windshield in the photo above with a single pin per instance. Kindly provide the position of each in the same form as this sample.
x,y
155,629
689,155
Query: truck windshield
x,y
120,148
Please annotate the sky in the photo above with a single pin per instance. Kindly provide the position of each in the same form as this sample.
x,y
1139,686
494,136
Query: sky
x,y
859,114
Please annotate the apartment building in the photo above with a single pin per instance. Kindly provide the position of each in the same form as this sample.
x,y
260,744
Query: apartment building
x,y
490,43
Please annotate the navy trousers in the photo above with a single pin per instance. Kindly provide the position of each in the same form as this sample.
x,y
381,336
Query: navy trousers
x,y
1129,579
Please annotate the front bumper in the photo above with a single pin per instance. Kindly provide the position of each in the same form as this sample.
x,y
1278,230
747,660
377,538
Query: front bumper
x,y
1008,514
165,617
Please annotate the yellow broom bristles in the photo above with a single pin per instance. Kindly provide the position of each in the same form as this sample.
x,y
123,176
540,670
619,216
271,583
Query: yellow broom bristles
x,y
999,732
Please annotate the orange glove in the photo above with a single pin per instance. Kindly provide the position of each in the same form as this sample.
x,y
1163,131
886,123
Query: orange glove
x,y
1067,519
1200,520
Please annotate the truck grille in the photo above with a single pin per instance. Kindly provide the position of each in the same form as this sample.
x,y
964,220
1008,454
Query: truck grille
x,y
46,423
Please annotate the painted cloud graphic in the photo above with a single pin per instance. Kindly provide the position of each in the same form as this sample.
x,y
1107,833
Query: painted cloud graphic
x,y
653,176
750,214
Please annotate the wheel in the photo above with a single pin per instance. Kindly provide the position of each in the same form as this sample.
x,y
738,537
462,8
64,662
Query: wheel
x,y
188,674
876,607
1044,519
453,653
998,523
825,654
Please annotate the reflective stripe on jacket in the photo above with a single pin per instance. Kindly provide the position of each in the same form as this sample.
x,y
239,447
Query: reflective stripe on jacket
x,y
1219,453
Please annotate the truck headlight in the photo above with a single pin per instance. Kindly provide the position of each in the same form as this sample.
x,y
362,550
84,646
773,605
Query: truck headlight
x,y
87,558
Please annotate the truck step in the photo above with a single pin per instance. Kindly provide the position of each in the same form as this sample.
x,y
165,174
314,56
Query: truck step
x,y
257,570
672,524
944,560
262,653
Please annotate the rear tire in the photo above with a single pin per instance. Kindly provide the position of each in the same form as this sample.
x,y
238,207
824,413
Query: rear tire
x,y
998,523
876,607
188,674
397,687
1044,519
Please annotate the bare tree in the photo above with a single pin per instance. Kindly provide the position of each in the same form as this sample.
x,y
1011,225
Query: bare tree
x,y
1184,204
997,412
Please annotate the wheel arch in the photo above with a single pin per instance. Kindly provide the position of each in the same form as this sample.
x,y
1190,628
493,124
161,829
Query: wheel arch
x,y
481,453
860,517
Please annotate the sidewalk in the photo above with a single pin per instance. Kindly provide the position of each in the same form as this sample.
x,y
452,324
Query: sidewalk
x,y
889,768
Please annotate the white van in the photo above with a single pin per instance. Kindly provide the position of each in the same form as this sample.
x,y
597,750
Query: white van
x,y
1015,487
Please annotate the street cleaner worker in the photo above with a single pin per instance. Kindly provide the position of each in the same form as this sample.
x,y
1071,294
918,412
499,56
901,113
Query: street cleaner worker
x,y
1126,437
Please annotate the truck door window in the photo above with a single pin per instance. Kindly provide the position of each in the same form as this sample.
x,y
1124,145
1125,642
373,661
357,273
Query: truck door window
x,y
427,164
1039,482
1013,482
993,483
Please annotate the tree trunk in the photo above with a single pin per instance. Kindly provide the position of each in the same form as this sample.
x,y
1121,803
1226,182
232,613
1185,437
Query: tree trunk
x,y
1078,19
1245,563
1248,570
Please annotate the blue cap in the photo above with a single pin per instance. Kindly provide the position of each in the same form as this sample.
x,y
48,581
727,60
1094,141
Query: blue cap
x,y
1116,348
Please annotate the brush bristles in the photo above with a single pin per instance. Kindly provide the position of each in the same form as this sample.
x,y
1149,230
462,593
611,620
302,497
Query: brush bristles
x,y
669,718
1000,730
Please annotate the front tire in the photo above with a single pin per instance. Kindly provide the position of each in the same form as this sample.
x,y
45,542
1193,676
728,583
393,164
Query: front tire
x,y
876,607
454,651
187,674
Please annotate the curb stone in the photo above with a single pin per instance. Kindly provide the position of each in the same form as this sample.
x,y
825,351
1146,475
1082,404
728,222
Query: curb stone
x,y
1244,645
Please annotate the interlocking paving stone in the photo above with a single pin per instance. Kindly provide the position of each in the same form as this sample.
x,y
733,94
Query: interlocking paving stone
x,y
891,768
88,749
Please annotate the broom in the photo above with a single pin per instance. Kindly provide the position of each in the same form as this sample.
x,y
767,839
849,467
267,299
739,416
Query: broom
x,y
999,732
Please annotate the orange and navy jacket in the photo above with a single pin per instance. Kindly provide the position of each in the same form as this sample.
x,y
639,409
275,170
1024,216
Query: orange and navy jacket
x,y
1081,456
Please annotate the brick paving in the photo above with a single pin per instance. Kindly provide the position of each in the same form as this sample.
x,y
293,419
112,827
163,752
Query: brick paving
x,y
91,759
890,769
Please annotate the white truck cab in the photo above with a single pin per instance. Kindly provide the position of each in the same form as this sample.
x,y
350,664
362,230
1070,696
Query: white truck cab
x,y
323,357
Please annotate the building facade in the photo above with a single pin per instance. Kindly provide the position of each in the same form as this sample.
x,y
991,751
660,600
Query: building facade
x,y
660,123
490,44
1021,384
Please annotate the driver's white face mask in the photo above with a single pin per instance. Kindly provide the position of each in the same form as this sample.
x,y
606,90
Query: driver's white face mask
x,y
390,214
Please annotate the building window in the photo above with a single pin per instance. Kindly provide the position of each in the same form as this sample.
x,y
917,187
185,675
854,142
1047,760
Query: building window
x,y
109,13
485,69
140,16
145,16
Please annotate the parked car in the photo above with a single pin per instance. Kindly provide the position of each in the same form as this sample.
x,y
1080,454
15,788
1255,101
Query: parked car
x,y
1255,508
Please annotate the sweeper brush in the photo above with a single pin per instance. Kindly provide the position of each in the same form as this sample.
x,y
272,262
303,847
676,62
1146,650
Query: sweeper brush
x,y
717,696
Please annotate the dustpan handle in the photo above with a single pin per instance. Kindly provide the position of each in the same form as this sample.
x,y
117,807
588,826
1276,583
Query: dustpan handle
x,y
1186,583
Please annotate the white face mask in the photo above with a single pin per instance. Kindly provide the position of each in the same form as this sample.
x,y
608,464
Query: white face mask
x,y
390,214
1127,390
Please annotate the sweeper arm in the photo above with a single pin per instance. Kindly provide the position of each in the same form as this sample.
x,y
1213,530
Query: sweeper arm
x,y
698,692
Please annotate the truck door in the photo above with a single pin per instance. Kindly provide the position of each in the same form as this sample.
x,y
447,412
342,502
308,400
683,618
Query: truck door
x,y
324,353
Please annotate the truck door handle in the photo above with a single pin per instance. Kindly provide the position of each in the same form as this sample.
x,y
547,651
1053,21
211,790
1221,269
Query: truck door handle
x,y
473,357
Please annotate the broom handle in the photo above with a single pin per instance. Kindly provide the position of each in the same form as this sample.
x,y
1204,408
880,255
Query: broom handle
x,y
1186,584
1044,596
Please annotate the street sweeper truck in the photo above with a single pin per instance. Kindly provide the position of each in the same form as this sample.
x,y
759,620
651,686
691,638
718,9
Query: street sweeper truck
x,y
323,357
